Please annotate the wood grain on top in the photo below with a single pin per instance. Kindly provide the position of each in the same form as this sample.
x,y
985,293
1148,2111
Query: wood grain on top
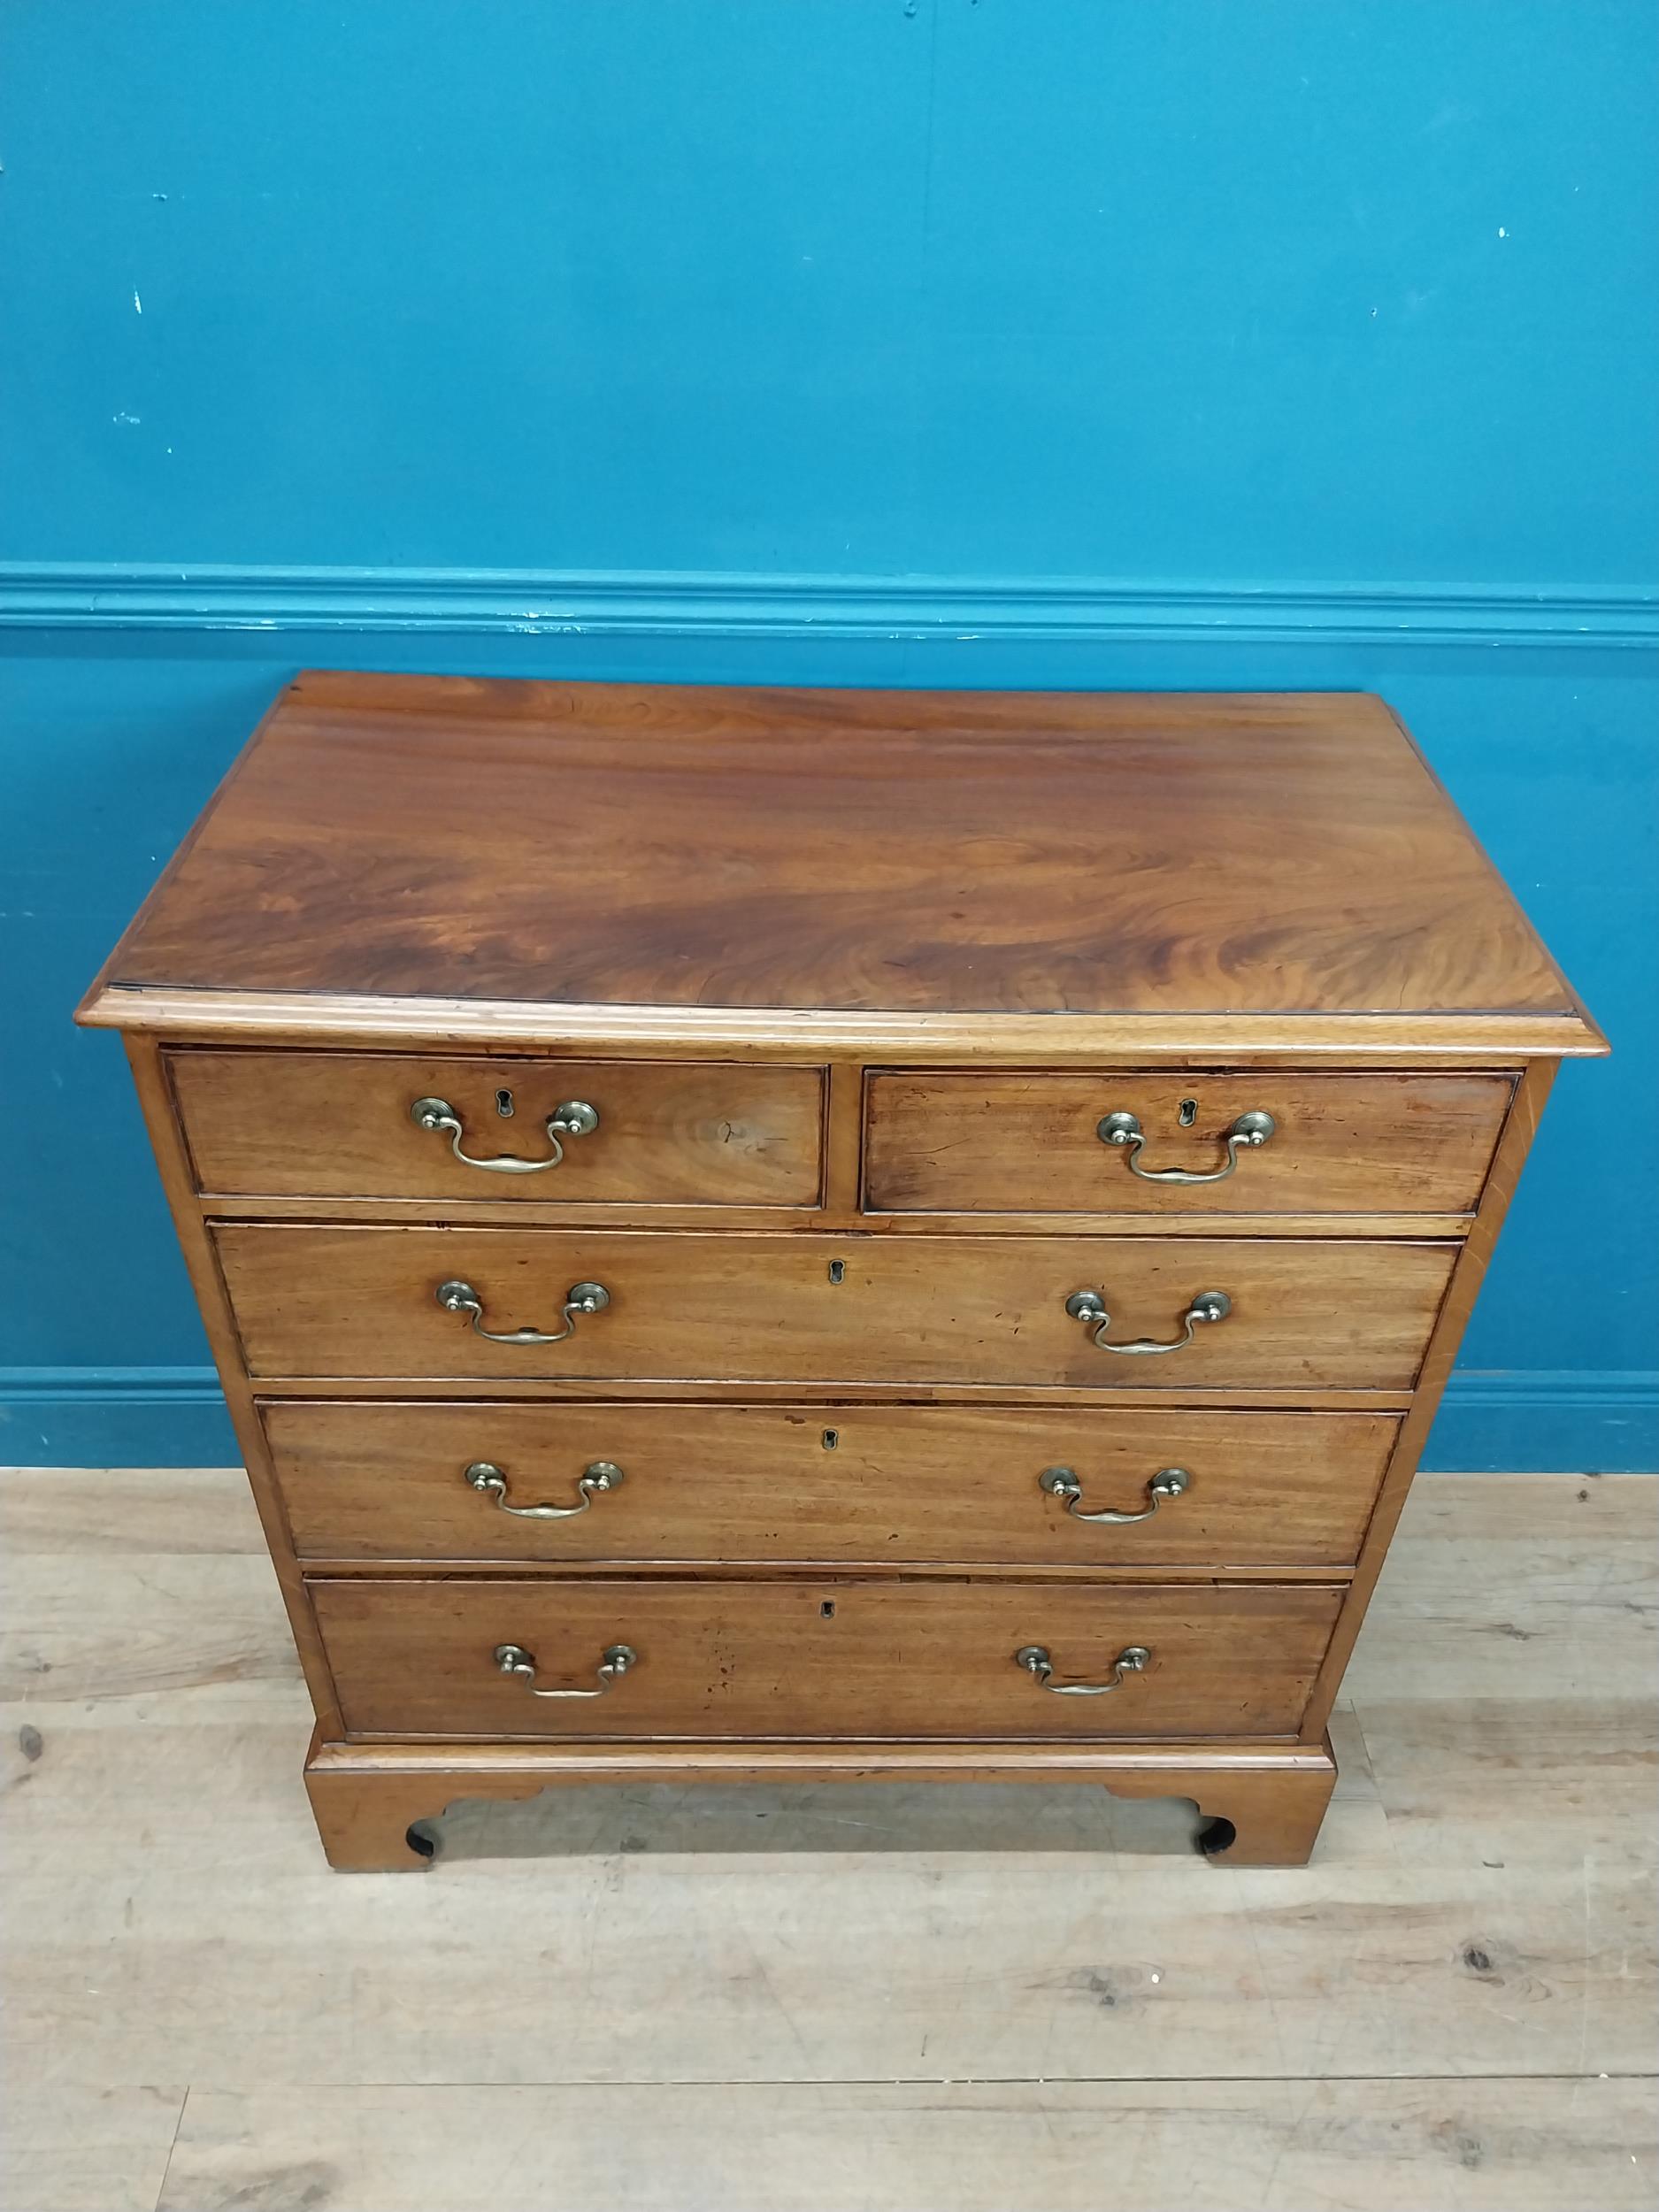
x,y
407,839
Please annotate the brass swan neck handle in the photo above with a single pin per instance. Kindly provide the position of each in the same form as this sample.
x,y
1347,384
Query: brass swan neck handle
x,y
1062,1483
575,1118
460,1297
596,1478
1248,1133
1133,1659
614,1662
1089,1307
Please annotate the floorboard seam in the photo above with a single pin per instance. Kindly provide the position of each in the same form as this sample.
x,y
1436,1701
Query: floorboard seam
x,y
178,2124
926,2081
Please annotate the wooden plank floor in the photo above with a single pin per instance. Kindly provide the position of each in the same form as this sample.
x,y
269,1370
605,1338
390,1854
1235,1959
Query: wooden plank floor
x,y
872,1998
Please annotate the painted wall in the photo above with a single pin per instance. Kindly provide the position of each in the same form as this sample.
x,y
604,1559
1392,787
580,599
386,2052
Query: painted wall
x,y
920,342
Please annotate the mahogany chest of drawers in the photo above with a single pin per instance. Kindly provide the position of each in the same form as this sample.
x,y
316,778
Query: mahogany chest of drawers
x,y
822,1234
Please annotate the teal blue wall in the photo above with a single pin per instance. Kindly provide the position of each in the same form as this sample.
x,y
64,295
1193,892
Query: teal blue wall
x,y
917,341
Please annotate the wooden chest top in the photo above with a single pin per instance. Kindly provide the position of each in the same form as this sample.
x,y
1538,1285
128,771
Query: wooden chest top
x,y
403,856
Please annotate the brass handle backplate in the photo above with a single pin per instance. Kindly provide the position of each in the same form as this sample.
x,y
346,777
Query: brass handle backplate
x,y
575,1118
1248,1133
1089,1307
1133,1659
1061,1482
459,1297
598,1476
614,1662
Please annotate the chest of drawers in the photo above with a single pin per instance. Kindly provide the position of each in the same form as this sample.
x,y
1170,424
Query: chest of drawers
x,y
831,1234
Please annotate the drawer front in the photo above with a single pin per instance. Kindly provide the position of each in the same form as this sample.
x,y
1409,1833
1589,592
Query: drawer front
x,y
991,1143
687,1307
820,1659
801,1484
336,1125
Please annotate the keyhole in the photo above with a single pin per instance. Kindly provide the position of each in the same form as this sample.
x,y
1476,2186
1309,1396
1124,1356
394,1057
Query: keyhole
x,y
832,1438
838,1268
826,1611
1189,1112
504,1104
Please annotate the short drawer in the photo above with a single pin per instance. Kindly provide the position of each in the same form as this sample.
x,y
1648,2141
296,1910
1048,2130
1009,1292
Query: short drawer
x,y
619,1305
820,1659
342,1125
569,1484
1011,1143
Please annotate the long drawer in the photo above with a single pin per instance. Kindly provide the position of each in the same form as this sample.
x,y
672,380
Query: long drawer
x,y
641,1132
821,1659
565,1484
1157,1144
373,1301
